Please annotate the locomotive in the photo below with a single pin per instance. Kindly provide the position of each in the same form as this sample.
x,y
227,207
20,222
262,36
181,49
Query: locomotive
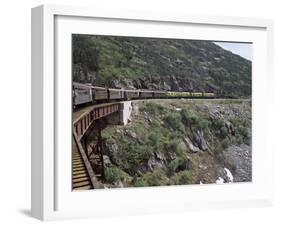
x,y
86,93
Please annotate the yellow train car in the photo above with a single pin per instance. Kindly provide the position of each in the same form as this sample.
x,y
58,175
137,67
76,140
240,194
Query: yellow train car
x,y
189,94
179,94
210,95
197,94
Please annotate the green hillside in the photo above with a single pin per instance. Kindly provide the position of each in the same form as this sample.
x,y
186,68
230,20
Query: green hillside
x,y
160,64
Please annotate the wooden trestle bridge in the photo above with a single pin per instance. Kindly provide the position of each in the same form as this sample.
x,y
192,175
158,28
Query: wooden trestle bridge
x,y
83,172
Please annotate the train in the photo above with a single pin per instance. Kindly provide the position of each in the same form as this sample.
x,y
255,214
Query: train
x,y
87,93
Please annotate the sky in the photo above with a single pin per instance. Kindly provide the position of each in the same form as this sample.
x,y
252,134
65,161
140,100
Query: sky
x,y
245,50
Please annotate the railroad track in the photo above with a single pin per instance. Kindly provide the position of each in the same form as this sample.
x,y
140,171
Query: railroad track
x,y
80,177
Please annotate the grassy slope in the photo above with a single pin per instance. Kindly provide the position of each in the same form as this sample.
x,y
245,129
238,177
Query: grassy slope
x,y
158,129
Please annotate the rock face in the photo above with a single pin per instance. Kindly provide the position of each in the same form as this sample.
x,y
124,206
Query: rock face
x,y
160,64
240,160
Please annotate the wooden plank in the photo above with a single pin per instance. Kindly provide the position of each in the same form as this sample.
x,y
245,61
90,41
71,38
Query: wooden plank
x,y
79,184
76,156
78,167
81,179
80,175
75,165
77,160
79,171
87,164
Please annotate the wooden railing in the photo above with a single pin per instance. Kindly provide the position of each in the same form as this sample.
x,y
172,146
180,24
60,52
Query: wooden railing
x,y
82,123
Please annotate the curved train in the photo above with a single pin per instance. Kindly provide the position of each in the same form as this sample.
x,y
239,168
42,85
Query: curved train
x,y
86,93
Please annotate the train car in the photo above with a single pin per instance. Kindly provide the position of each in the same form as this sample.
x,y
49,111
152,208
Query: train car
x,y
99,93
82,94
197,94
114,94
209,95
131,94
178,94
160,94
146,94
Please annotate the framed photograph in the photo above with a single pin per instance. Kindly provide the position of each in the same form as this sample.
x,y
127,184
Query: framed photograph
x,y
137,112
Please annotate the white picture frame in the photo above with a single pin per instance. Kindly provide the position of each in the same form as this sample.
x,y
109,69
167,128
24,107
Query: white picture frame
x,y
51,198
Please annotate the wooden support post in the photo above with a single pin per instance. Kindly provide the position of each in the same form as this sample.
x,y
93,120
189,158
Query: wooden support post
x,y
100,150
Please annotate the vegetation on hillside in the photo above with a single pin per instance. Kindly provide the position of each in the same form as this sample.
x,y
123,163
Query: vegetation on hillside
x,y
155,149
161,64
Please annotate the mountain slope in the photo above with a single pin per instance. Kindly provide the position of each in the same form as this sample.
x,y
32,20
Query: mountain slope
x,y
160,64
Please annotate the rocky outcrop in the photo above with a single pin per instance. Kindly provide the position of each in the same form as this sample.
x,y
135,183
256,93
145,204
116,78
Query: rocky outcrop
x,y
112,150
197,143
190,145
239,161
153,163
198,138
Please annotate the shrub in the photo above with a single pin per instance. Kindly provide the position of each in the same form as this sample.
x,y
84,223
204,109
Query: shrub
x,y
203,124
132,154
241,128
155,178
183,177
243,131
174,121
179,164
113,174
153,140
152,107
217,124
174,165
192,119
223,131
239,139
172,146
184,115
225,143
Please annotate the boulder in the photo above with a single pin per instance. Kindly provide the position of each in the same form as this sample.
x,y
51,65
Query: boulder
x,y
118,184
131,134
106,161
159,155
199,139
116,84
112,150
153,163
150,165
190,145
